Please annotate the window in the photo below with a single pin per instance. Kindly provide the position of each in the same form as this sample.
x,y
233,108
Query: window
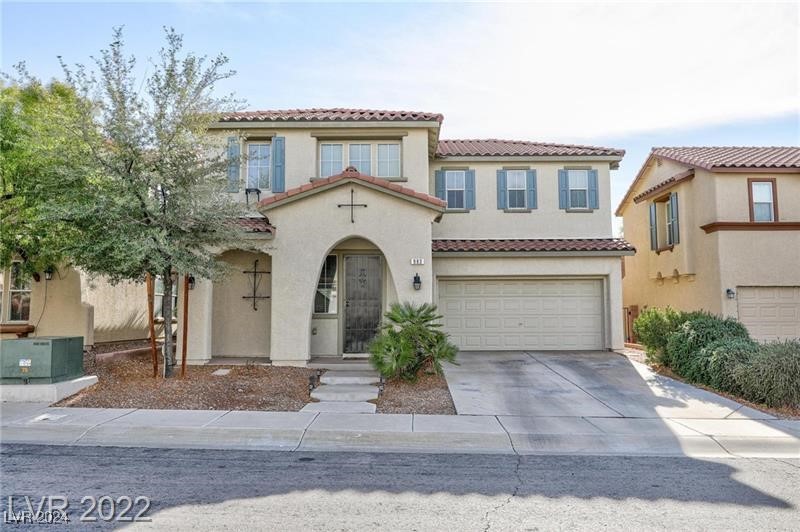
x,y
516,186
455,184
330,160
669,223
388,160
762,201
325,298
258,165
19,292
158,308
361,158
578,182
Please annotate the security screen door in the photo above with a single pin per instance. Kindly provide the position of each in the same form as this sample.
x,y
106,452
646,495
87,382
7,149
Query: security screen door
x,y
362,304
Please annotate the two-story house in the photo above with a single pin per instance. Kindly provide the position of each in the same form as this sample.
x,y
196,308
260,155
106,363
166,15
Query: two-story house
x,y
718,229
361,208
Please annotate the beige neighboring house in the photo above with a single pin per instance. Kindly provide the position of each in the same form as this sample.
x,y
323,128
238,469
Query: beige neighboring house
x,y
353,210
718,229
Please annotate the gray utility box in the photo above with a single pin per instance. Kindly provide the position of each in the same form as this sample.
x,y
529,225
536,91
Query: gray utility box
x,y
42,360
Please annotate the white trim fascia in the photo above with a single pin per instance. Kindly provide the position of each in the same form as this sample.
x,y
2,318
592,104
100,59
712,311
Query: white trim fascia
x,y
491,254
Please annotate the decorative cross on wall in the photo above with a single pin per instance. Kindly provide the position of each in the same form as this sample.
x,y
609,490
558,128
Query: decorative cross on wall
x,y
257,275
352,205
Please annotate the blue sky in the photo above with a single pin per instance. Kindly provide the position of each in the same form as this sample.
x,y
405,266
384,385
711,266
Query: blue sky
x,y
628,75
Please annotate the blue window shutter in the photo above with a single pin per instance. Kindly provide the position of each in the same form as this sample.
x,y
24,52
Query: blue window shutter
x,y
653,227
673,205
563,190
502,197
469,189
279,164
234,148
594,202
439,185
530,176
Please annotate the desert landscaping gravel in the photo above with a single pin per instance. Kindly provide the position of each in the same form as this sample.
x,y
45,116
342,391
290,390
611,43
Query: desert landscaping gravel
x,y
427,395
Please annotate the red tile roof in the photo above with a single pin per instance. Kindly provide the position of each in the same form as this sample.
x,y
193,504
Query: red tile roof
x,y
512,148
721,157
667,183
332,115
255,225
534,244
350,173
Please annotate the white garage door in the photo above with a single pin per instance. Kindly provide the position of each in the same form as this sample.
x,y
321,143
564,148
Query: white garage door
x,y
770,312
499,314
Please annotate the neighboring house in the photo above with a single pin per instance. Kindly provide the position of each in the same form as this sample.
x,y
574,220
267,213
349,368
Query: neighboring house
x,y
360,208
717,229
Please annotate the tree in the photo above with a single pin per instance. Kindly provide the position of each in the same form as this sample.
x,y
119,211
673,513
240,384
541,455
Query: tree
x,y
159,205
34,146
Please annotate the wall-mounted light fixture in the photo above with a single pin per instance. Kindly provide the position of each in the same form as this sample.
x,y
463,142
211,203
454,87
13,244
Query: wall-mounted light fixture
x,y
730,293
191,282
48,273
417,282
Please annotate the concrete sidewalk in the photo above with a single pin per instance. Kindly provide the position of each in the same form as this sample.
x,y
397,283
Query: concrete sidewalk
x,y
309,431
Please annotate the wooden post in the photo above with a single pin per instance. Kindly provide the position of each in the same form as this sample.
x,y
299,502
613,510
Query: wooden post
x,y
151,292
185,324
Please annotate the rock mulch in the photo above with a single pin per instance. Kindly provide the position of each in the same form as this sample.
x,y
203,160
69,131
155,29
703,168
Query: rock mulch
x,y
427,395
129,383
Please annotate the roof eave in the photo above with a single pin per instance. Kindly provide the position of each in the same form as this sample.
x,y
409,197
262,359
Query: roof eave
x,y
584,253
305,124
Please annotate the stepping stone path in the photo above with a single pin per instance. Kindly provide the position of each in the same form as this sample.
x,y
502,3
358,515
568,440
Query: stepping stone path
x,y
220,372
345,391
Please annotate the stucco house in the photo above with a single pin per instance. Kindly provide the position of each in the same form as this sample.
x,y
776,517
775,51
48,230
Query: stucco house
x,y
717,228
356,209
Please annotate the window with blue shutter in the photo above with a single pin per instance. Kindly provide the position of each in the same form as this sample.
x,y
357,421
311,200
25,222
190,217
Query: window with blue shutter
x,y
279,164
563,190
594,200
234,148
469,189
578,189
673,234
439,189
502,198
653,226
531,182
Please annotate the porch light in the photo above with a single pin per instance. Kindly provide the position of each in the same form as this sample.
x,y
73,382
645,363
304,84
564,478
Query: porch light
x,y
191,282
730,293
48,273
417,282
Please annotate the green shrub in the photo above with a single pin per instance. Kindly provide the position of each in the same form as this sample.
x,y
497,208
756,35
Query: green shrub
x,y
410,340
653,327
718,361
685,345
772,375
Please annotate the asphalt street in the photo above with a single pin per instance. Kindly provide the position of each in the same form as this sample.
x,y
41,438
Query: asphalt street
x,y
257,490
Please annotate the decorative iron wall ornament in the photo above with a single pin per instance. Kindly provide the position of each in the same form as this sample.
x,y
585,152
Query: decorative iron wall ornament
x,y
256,282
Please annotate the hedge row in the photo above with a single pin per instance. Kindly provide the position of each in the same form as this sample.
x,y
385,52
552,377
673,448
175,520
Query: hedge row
x,y
718,352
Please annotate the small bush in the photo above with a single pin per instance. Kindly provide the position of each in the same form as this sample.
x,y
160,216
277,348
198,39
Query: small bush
x,y
410,340
772,375
718,361
653,327
685,345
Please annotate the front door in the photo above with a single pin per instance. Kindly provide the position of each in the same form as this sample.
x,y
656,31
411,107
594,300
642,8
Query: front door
x,y
362,304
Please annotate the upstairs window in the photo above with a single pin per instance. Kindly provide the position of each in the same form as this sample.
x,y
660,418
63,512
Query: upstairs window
x,y
325,297
516,186
762,200
258,165
361,158
664,229
455,184
578,188
388,160
19,294
330,159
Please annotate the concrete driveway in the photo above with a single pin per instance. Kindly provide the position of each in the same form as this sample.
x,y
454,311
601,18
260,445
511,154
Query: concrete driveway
x,y
583,384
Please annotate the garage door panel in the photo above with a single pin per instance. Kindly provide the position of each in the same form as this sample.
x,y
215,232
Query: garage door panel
x,y
523,314
770,312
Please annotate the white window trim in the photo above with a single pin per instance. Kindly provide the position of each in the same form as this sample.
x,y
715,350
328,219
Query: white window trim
x,y
345,154
333,310
399,160
570,188
364,143
524,190
668,222
771,202
247,165
456,189
7,288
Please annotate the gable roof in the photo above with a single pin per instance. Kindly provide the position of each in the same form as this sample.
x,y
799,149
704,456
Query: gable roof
x,y
722,157
254,224
350,174
336,114
517,148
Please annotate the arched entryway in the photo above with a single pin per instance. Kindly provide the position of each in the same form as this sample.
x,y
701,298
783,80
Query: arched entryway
x,y
242,306
354,288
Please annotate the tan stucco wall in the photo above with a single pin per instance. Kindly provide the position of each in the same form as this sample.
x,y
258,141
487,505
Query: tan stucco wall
x,y
709,263
546,221
606,268
237,329
120,311
308,229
